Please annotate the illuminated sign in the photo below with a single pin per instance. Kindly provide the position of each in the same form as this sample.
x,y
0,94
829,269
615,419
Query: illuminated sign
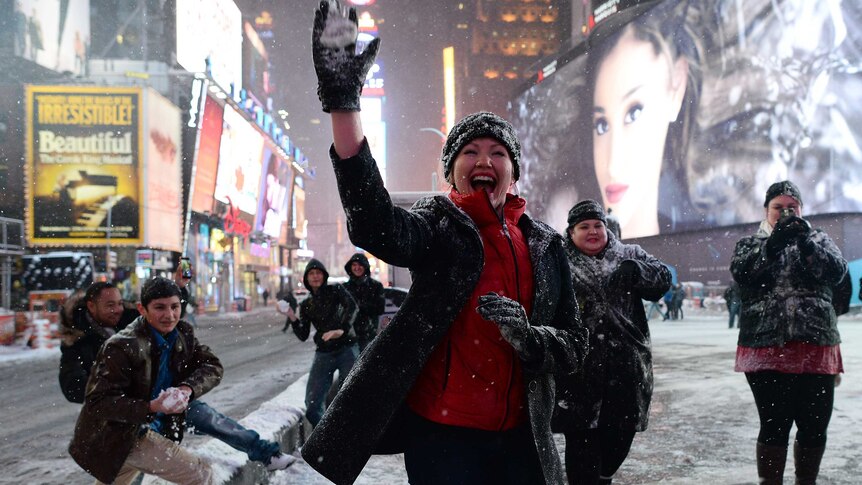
x,y
162,174
52,34
84,147
238,179
209,39
233,223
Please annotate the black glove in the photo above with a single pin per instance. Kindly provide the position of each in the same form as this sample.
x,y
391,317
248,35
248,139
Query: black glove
x,y
625,276
806,246
510,316
787,231
340,72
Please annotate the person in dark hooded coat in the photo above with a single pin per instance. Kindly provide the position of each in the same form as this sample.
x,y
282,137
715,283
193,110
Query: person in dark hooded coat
x,y
788,344
461,380
331,311
600,409
369,297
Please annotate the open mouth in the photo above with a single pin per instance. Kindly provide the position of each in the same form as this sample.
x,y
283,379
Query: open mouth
x,y
483,182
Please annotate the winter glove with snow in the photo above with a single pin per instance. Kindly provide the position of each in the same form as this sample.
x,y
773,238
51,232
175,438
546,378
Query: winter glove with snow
x,y
340,71
511,317
625,276
806,246
785,233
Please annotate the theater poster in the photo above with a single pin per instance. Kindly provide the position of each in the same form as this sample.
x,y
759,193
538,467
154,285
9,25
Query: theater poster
x,y
83,165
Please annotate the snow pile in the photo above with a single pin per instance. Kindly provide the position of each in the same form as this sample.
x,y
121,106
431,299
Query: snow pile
x,y
284,411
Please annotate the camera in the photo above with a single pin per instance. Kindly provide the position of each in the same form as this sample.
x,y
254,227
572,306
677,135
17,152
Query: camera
x,y
186,266
787,212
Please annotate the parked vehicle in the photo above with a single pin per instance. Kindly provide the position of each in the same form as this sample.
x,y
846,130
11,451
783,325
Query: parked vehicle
x,y
394,298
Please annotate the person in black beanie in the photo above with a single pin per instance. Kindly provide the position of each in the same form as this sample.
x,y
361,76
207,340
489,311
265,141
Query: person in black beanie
x,y
789,346
461,380
369,297
600,409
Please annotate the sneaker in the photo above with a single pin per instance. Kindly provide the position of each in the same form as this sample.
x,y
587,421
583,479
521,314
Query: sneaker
x,y
280,462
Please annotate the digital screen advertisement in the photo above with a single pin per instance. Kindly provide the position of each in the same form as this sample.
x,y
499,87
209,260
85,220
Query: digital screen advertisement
x,y
52,33
238,180
206,163
681,118
274,191
163,213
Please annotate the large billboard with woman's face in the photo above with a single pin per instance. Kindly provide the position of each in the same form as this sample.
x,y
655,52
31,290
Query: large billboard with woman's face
x,y
275,184
681,117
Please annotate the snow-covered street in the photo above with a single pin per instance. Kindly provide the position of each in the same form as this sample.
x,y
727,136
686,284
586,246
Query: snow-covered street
x,y
702,428
703,423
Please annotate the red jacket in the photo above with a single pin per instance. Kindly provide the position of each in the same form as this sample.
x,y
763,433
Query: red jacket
x,y
473,378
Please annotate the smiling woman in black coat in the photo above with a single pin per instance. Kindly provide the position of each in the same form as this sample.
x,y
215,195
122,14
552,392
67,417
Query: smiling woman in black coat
x,y
481,268
601,408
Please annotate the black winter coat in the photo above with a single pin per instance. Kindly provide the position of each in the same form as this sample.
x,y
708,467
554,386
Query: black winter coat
x,y
329,308
118,395
786,298
617,381
442,247
81,340
369,296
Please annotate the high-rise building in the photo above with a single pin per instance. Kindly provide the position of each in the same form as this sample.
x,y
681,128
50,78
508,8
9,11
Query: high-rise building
x,y
502,41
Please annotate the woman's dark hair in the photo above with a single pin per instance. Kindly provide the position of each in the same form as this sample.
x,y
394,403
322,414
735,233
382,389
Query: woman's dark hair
x,y
159,287
670,34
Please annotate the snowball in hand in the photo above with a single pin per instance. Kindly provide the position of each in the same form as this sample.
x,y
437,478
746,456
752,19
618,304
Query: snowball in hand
x,y
176,400
339,31
282,306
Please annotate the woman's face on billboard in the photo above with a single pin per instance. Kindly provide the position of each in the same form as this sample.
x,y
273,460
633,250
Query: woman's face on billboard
x,y
638,93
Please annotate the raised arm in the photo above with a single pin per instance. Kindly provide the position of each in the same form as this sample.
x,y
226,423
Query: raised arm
x,y
341,72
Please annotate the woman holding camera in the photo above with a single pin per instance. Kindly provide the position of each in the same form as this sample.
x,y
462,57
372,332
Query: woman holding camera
x,y
788,338
600,409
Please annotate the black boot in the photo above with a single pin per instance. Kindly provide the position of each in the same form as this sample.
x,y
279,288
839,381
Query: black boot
x,y
770,464
807,463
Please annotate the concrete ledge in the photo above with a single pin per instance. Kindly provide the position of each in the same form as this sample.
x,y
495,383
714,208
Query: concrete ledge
x,y
282,419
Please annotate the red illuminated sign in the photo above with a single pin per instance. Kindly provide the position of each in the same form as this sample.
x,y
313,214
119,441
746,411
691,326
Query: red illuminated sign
x,y
233,224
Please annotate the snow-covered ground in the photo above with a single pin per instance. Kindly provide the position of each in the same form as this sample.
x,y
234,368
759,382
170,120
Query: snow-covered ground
x,y
703,423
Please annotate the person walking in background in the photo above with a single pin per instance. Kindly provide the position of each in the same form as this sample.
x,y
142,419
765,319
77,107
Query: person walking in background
x,y
136,399
668,303
265,296
460,381
331,311
87,320
601,408
731,298
788,344
677,300
369,297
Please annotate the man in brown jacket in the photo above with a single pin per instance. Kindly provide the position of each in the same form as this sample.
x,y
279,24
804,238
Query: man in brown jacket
x,y
138,392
